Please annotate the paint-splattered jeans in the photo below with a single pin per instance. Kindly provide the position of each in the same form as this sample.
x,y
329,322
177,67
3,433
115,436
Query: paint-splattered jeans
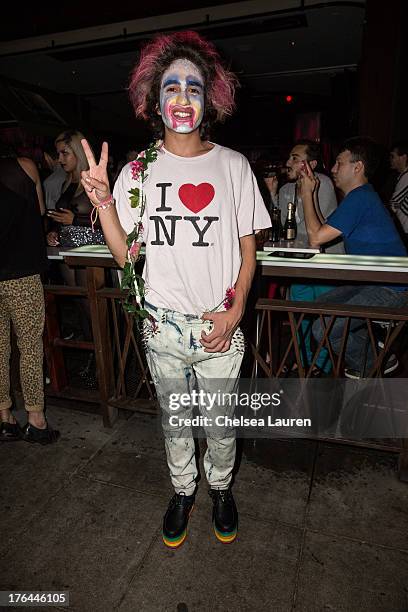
x,y
178,363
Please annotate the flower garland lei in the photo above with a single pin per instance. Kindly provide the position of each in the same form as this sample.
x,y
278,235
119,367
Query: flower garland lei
x,y
132,282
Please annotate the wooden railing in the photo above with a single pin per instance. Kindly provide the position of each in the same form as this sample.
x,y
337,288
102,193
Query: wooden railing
x,y
272,360
115,344
116,337
276,364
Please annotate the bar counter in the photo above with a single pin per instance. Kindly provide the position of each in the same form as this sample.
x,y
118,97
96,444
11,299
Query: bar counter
x,y
321,265
337,267
114,331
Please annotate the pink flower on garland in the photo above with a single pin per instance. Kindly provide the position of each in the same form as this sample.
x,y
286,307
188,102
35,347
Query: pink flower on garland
x,y
134,250
229,298
137,167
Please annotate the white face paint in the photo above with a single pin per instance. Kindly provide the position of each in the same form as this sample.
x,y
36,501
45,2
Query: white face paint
x,y
182,97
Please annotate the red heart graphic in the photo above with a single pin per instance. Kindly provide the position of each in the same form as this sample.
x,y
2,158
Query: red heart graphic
x,y
196,197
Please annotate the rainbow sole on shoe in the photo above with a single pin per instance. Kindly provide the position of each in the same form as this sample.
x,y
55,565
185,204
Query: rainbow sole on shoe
x,y
176,542
225,538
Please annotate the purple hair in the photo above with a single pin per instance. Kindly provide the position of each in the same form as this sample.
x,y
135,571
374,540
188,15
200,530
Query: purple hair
x,y
159,54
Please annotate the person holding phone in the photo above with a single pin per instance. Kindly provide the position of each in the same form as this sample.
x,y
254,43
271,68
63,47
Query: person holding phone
x,y
367,229
70,227
70,221
325,197
308,152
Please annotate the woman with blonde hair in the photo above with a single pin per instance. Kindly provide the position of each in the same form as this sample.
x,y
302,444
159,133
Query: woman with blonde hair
x,y
71,222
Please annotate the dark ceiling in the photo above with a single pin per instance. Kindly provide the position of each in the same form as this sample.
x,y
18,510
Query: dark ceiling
x,y
34,19
275,47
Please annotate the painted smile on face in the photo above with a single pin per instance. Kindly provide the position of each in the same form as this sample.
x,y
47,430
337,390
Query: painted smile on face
x,y
182,97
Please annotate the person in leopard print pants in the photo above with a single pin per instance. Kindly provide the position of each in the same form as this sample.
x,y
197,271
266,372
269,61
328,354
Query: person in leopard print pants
x,y
21,297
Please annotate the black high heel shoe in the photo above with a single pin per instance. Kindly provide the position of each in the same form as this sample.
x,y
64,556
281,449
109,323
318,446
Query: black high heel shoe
x,y
41,436
10,432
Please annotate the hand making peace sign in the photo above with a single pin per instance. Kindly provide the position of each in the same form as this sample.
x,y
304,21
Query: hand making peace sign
x,y
95,180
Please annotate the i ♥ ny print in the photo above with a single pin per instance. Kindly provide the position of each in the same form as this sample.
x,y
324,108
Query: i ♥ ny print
x,y
193,197
196,197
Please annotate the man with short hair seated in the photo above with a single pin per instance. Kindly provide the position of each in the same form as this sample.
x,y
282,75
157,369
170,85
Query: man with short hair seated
x,y
325,203
367,229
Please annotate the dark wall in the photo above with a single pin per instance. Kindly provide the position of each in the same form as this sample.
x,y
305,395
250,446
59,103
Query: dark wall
x,y
383,72
400,123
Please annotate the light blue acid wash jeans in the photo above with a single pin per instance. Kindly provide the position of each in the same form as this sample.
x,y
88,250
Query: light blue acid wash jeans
x,y
178,364
359,354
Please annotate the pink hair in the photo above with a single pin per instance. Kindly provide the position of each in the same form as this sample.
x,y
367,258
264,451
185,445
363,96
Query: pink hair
x,y
220,91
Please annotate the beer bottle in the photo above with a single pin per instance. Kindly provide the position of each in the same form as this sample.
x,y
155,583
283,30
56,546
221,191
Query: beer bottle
x,y
276,232
290,227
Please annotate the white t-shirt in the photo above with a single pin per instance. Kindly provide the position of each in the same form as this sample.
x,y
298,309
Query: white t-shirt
x,y
197,208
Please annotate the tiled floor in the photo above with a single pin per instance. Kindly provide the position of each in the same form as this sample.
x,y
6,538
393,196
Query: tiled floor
x,y
322,527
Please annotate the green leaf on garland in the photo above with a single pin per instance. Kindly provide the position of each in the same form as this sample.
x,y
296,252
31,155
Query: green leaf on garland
x,y
133,236
131,282
134,197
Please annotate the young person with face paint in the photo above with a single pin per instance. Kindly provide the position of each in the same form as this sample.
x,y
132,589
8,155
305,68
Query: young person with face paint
x,y
202,209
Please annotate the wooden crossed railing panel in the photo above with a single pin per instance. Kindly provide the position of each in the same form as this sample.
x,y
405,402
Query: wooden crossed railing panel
x,y
327,313
122,350
114,343
273,366
123,343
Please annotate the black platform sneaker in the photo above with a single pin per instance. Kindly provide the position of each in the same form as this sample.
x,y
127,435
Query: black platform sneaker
x,y
176,518
225,515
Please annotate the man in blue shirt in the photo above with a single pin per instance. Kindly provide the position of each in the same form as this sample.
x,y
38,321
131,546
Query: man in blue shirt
x,y
367,229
